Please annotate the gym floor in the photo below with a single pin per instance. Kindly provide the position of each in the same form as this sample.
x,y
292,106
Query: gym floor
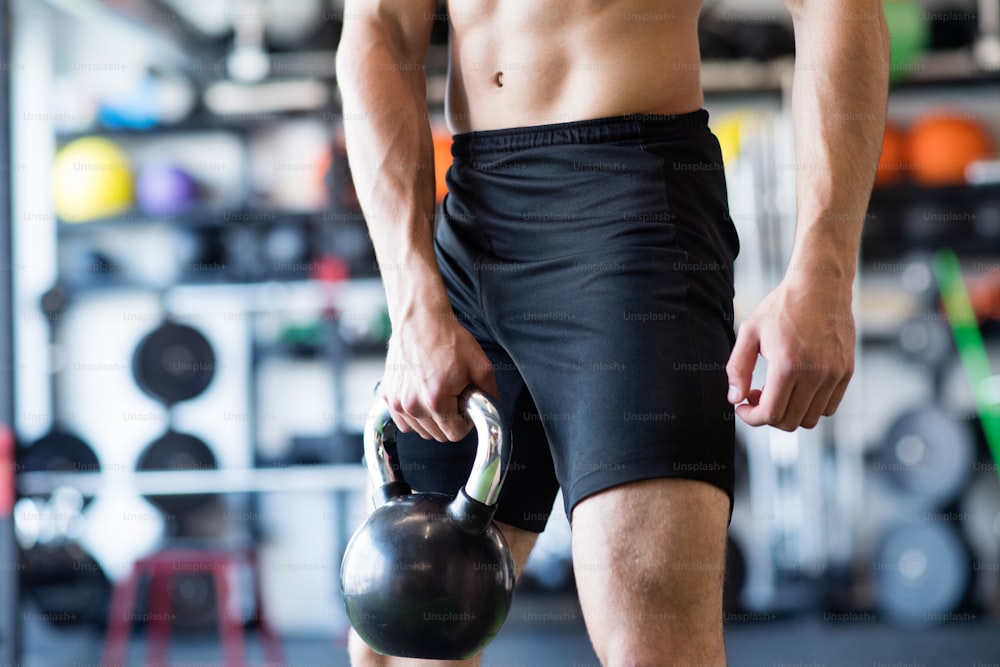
x,y
548,631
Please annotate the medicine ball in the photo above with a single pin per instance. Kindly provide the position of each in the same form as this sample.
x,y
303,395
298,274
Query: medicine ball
x,y
91,179
165,189
442,160
942,144
892,162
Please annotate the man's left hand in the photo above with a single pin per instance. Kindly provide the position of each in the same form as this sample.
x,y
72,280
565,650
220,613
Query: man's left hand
x,y
805,331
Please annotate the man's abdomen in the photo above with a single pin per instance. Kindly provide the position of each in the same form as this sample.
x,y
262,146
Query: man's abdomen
x,y
523,63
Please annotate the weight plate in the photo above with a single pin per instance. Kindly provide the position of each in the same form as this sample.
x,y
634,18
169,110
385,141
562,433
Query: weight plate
x,y
66,583
173,363
922,572
928,454
60,451
926,341
178,452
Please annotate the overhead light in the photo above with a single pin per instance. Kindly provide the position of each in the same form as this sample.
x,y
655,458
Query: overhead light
x,y
248,61
248,64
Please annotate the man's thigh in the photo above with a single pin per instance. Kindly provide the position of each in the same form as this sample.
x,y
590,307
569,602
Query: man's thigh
x,y
649,560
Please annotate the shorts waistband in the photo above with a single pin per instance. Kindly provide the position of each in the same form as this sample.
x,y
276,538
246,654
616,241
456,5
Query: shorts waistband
x,y
631,127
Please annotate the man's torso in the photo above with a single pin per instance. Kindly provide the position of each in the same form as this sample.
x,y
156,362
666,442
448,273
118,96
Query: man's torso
x,y
516,63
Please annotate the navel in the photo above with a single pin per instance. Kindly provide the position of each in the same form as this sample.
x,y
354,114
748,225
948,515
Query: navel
x,y
498,79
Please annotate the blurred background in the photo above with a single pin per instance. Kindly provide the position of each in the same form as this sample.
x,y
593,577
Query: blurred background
x,y
189,290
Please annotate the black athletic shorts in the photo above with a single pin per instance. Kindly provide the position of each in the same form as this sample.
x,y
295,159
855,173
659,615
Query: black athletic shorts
x,y
593,261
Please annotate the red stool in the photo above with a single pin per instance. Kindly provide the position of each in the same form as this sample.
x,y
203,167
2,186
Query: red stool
x,y
161,567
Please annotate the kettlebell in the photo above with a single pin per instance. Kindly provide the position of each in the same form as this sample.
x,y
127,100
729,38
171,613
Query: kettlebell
x,y
427,575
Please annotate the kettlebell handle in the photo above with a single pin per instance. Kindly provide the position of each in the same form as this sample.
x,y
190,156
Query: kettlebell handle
x,y
488,470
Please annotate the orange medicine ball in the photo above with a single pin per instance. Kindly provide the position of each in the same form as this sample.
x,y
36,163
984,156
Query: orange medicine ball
x,y
442,160
892,161
942,144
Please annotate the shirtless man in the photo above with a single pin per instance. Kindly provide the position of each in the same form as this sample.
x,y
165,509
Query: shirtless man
x,y
582,274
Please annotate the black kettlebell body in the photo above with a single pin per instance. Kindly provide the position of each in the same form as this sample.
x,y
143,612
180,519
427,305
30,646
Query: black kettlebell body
x,y
428,576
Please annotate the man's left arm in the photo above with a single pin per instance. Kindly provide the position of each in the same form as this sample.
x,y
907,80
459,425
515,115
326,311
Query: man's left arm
x,y
804,328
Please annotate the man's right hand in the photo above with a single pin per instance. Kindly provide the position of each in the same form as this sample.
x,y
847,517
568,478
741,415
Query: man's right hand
x,y
432,358
431,361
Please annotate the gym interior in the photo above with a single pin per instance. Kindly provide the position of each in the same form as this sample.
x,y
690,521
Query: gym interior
x,y
192,325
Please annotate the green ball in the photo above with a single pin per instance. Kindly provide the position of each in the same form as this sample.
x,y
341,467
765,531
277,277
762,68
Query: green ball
x,y
909,36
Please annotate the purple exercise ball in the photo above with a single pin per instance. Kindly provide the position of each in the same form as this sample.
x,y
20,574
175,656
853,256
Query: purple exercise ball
x,y
163,189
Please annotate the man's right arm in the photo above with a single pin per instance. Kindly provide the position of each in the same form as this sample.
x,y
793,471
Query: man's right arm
x,y
380,71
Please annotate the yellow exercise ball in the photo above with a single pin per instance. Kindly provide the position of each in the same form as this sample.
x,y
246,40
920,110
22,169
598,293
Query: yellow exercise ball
x,y
732,130
727,131
91,179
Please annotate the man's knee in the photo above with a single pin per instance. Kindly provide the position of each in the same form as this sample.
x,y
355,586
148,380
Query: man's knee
x,y
361,655
637,656
673,643
651,583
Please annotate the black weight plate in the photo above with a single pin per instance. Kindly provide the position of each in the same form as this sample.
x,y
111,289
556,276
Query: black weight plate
x,y
60,451
173,363
928,454
178,452
66,583
921,573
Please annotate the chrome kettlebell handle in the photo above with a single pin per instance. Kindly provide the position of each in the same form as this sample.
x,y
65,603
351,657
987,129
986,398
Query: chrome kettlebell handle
x,y
488,470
